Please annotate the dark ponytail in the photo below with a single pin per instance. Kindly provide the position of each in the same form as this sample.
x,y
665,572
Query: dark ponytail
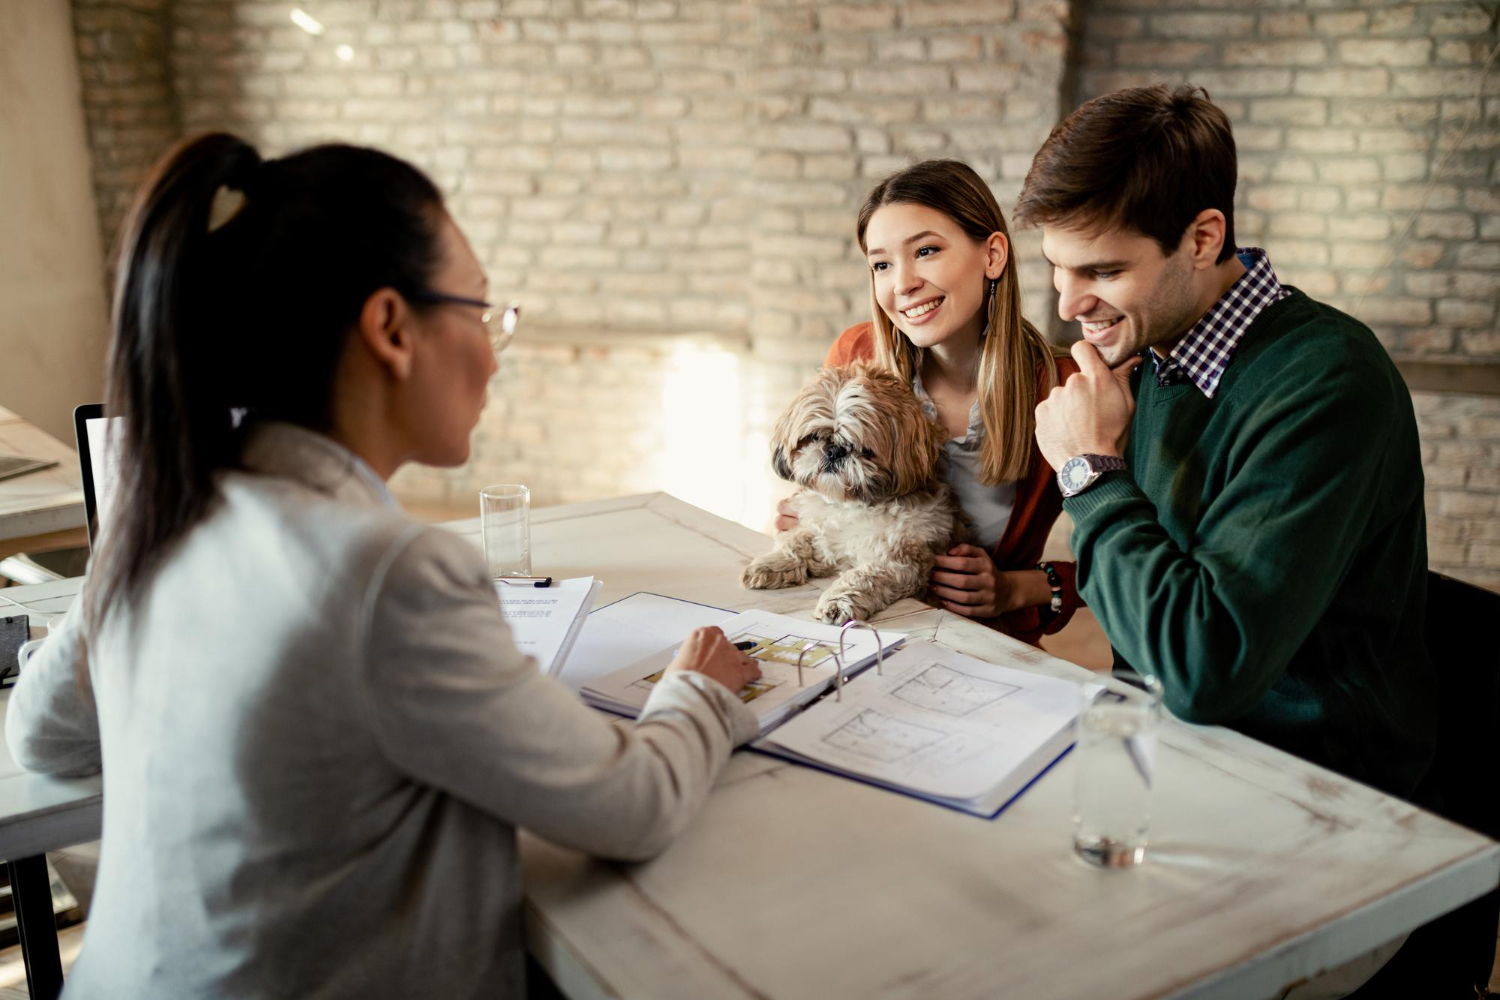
x,y
240,280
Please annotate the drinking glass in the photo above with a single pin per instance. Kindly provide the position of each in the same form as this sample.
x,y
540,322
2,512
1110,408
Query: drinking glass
x,y
505,522
1114,767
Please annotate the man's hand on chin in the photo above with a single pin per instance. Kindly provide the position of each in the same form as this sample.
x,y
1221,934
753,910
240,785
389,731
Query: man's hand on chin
x,y
1090,413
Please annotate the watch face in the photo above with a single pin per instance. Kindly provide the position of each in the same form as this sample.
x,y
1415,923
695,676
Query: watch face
x,y
1075,474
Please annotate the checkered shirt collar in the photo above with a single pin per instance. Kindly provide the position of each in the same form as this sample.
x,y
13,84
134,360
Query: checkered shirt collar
x,y
1203,354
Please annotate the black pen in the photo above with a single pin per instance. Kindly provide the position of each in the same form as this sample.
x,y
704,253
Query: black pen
x,y
525,581
747,644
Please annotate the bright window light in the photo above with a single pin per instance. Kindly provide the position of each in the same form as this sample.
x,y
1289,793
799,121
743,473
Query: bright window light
x,y
344,52
704,459
306,21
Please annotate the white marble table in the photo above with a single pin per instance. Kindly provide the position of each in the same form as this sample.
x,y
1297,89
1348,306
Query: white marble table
x,y
792,883
43,509
40,814
1263,869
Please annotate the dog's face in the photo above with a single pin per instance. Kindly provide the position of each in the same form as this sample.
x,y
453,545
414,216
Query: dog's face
x,y
856,433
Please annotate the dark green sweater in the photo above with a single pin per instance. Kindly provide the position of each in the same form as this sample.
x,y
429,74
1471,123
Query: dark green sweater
x,y
1266,554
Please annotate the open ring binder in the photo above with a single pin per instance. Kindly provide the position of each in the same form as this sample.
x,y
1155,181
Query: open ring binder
x,y
792,676
838,664
879,650
838,656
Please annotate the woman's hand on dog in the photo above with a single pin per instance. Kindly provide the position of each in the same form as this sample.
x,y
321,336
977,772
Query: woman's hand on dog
x,y
786,517
706,651
968,584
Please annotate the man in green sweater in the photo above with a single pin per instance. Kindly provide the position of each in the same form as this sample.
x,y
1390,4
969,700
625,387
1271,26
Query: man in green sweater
x,y
1240,462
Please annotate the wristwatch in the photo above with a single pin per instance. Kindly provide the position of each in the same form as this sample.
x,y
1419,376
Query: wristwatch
x,y
1082,471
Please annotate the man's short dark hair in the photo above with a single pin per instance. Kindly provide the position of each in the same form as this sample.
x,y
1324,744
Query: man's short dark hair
x,y
1147,159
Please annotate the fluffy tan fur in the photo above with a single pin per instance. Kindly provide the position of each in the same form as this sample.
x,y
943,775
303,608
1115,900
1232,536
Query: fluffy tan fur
x,y
873,508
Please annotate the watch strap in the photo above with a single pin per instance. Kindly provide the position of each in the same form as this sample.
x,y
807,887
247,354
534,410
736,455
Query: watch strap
x,y
1105,463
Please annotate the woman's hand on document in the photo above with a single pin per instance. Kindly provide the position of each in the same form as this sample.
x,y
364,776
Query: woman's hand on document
x,y
706,651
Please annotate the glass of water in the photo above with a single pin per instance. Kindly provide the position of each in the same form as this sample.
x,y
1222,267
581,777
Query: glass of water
x,y
505,523
1114,765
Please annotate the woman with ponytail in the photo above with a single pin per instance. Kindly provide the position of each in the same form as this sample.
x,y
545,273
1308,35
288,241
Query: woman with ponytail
x,y
316,734
946,316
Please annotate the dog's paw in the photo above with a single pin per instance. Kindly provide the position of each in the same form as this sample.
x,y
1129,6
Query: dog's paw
x,y
761,575
835,609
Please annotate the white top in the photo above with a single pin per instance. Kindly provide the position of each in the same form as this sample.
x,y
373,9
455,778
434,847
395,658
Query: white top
x,y
320,742
987,507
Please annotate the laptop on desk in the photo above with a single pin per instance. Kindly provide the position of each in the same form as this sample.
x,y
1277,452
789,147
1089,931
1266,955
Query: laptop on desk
x,y
97,464
97,438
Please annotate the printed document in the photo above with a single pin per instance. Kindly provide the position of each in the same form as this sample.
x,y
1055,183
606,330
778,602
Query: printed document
x,y
939,725
545,621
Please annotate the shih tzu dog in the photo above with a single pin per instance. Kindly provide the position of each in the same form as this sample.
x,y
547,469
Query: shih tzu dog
x,y
873,507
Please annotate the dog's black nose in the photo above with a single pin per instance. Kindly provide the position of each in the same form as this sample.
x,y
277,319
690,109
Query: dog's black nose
x,y
833,455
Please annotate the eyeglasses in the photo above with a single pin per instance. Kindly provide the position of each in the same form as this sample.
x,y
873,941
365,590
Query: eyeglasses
x,y
500,324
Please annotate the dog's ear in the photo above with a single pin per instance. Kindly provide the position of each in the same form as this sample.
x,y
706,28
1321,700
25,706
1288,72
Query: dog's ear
x,y
919,439
928,445
778,462
784,439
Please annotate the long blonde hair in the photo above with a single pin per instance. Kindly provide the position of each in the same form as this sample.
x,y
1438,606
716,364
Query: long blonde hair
x,y
1012,352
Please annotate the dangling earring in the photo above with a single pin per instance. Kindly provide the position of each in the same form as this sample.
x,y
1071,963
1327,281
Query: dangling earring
x,y
989,310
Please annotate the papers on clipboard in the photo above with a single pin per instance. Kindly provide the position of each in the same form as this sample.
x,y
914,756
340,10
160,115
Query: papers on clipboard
x,y
545,621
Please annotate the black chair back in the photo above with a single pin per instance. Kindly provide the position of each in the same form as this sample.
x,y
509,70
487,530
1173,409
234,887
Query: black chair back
x,y
1453,955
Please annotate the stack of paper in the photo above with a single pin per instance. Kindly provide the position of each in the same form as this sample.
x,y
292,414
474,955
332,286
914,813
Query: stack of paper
x,y
545,621
779,641
939,725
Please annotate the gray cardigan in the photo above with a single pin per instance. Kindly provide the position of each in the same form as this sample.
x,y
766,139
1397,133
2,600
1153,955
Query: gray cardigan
x,y
320,740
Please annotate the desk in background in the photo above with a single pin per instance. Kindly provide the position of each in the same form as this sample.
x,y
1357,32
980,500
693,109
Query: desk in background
x,y
40,814
43,510
1263,869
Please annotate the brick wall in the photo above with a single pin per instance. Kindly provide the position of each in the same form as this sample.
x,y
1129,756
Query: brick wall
x,y
646,165
639,167
850,93
1461,455
129,102
670,185
1369,170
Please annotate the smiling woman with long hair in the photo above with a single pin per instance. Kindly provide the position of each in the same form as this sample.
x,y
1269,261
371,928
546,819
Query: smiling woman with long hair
x,y
316,734
946,316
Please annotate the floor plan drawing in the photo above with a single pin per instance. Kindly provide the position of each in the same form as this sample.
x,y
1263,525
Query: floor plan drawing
x,y
747,694
784,648
768,649
951,692
881,737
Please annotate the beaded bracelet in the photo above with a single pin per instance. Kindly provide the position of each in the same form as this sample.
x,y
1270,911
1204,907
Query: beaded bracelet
x,y
1055,582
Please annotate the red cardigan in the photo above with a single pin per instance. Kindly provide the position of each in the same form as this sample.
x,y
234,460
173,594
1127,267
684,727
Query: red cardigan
x,y
1036,507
